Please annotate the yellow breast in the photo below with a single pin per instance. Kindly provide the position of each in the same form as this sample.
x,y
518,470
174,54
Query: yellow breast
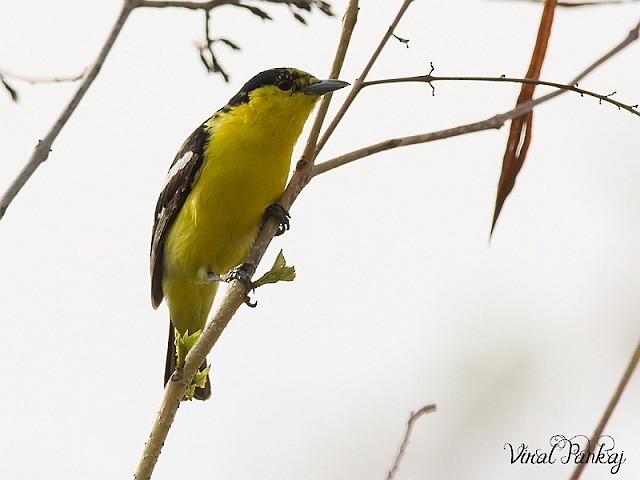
x,y
245,169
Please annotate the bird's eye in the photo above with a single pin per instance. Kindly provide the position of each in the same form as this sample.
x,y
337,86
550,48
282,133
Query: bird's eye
x,y
285,84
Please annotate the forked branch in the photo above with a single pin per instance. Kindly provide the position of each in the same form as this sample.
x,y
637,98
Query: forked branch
x,y
494,122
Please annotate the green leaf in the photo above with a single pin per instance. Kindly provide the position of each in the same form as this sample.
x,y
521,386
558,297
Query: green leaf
x,y
280,272
184,343
200,378
188,395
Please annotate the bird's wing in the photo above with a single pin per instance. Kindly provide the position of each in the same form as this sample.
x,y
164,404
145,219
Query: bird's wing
x,y
177,187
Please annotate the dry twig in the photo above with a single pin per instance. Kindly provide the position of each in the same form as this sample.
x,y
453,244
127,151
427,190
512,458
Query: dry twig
x,y
413,418
13,92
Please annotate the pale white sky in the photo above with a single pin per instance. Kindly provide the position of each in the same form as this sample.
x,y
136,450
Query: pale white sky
x,y
400,298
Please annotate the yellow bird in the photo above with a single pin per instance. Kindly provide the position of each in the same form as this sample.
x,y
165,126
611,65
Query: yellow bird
x,y
220,184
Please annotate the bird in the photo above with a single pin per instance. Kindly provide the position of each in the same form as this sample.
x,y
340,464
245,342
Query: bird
x,y
226,177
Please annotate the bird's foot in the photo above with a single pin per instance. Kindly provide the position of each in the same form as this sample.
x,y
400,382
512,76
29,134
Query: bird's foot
x,y
281,214
243,273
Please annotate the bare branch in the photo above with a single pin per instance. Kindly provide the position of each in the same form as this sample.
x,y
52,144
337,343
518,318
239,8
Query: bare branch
x,y
207,56
205,49
413,418
37,80
5,74
41,151
530,81
357,86
348,24
497,121
180,380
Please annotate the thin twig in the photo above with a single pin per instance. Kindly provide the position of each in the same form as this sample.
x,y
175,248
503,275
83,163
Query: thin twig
x,y
413,418
357,86
349,21
497,121
42,149
37,80
633,363
529,81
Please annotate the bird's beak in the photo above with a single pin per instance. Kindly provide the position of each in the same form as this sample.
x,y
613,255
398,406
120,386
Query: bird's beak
x,y
324,86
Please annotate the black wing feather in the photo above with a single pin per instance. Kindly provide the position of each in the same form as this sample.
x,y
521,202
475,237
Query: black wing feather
x,y
171,200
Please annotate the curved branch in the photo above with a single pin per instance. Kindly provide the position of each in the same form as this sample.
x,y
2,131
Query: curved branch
x,y
529,81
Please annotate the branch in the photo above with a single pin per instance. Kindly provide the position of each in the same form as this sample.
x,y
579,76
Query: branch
x,y
529,81
205,48
207,56
610,407
36,80
5,74
42,149
407,435
180,381
304,165
357,86
495,122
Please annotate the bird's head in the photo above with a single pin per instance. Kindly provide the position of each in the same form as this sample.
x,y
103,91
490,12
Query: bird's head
x,y
283,91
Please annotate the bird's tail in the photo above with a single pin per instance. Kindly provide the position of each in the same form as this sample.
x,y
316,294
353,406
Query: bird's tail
x,y
170,366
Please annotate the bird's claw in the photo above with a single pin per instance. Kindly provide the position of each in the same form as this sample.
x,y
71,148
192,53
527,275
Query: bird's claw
x,y
243,273
281,214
